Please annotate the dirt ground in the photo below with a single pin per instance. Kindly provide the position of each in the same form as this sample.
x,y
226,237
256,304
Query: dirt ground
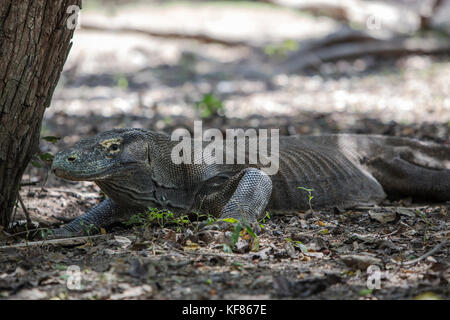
x,y
130,80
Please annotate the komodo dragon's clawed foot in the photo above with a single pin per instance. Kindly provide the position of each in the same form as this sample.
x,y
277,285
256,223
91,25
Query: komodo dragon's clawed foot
x,y
90,223
252,190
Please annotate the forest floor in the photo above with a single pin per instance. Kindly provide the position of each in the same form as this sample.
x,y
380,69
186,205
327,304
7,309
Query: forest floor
x,y
131,80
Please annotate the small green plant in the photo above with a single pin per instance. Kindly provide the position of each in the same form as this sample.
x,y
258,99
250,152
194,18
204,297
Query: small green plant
x,y
89,228
181,222
226,248
209,218
44,157
310,196
281,50
45,232
209,106
51,139
60,267
427,222
239,226
161,217
121,81
365,292
297,244
264,220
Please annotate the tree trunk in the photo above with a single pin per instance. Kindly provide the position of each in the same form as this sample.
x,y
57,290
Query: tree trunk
x,y
35,39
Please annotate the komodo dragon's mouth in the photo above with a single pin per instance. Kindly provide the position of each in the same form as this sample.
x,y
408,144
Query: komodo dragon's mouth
x,y
95,172
81,175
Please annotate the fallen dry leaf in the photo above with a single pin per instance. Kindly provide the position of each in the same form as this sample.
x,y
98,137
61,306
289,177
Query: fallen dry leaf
x,y
360,261
190,245
383,216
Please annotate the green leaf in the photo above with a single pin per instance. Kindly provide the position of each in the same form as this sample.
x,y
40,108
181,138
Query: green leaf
x,y
298,244
46,156
210,221
35,164
122,82
60,267
302,247
51,139
209,106
230,220
250,231
365,292
226,248
235,236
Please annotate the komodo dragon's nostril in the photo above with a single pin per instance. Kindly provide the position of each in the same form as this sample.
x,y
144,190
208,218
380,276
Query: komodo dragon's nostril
x,y
71,159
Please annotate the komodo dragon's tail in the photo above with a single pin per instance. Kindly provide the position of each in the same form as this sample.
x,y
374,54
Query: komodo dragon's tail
x,y
405,166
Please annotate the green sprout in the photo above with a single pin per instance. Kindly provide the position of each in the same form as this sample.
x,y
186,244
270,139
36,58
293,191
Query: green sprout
x,y
310,196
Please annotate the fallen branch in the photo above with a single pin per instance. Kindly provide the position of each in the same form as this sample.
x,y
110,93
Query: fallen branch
x,y
31,183
343,36
161,34
59,242
353,50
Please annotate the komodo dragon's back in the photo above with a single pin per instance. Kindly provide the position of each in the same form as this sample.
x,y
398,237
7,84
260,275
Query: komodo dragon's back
x,y
135,169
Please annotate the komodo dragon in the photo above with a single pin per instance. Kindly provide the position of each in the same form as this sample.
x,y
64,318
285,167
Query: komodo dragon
x,y
133,168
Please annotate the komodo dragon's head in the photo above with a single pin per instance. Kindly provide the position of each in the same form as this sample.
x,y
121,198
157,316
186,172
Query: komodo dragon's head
x,y
108,155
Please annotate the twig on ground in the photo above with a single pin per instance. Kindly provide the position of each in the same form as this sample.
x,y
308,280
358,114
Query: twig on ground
x,y
429,253
162,34
31,183
60,242
199,253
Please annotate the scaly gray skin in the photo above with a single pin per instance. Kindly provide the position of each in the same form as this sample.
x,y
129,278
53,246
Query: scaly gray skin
x,y
133,168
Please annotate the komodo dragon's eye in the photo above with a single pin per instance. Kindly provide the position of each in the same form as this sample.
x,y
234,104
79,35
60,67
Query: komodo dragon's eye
x,y
111,145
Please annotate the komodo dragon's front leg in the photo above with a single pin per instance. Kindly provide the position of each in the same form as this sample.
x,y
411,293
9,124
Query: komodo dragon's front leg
x,y
244,197
250,197
100,216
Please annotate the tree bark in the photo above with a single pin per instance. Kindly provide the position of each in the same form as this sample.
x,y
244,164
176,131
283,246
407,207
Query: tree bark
x,y
35,39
